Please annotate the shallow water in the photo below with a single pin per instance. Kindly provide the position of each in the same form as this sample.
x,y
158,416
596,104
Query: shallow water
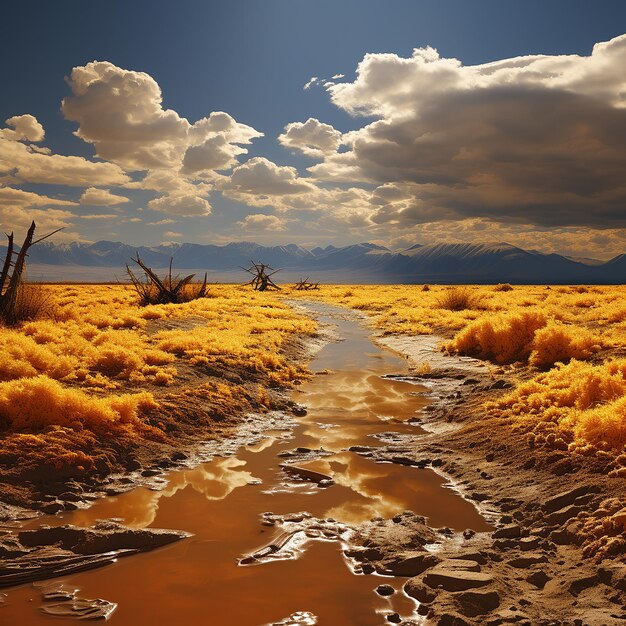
x,y
198,580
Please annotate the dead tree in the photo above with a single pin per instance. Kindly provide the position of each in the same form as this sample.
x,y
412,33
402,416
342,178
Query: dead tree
x,y
262,276
305,285
12,273
169,290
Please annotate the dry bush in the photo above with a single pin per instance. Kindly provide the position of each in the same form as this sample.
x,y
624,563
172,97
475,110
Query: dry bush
x,y
501,338
171,289
579,399
33,302
426,288
458,299
559,343
151,294
503,287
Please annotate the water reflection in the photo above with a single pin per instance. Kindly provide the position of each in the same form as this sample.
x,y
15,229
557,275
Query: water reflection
x,y
138,508
198,581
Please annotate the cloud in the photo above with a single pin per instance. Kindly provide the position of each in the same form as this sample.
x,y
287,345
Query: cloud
x,y
180,205
99,216
162,222
215,153
172,234
261,179
260,222
120,112
171,182
262,183
536,140
22,162
312,137
220,123
570,240
26,128
101,197
10,196
15,218
18,208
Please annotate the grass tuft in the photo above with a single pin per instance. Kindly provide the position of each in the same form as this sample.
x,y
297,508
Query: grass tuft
x,y
458,299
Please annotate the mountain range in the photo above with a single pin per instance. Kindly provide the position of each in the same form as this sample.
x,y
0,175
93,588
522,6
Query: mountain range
x,y
363,262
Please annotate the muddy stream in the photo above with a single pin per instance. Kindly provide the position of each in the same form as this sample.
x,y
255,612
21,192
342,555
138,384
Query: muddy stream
x,y
200,580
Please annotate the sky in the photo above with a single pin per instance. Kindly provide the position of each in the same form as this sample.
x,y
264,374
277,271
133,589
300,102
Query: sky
x,y
317,122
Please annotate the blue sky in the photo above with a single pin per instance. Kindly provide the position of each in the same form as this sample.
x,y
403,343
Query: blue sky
x,y
251,60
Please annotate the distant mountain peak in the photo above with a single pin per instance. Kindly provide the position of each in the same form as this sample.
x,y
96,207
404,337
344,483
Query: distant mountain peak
x,y
436,262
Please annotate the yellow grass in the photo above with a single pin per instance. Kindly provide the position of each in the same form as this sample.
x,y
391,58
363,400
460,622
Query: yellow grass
x,y
61,379
35,404
578,405
409,309
99,343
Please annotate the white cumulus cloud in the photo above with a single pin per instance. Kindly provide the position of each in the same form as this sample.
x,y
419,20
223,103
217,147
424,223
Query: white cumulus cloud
x,y
259,222
536,139
180,205
313,138
101,197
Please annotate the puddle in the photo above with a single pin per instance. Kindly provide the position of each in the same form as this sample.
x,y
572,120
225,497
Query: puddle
x,y
198,581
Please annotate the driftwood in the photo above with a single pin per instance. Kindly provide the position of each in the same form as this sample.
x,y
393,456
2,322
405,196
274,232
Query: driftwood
x,y
305,285
12,273
262,274
169,290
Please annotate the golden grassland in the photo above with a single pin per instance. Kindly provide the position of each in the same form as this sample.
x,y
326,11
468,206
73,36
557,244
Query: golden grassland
x,y
571,341
99,367
70,381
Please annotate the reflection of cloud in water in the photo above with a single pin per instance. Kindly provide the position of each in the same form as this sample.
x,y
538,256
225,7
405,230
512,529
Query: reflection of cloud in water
x,y
138,508
365,479
363,403
363,393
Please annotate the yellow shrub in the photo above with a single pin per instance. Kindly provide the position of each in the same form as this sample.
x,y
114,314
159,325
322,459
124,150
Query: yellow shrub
x,y
557,342
35,404
500,338
458,299
587,400
22,356
604,426
116,362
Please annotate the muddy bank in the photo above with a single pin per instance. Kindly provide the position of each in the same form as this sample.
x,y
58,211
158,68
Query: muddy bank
x,y
49,552
546,562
